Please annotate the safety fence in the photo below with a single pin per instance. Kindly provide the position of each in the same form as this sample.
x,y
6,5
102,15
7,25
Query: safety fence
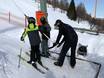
x,y
13,19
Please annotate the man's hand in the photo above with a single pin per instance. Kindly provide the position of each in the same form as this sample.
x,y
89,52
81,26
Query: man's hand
x,y
59,45
54,44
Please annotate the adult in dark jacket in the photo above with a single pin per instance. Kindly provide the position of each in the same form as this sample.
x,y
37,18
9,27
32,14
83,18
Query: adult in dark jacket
x,y
45,30
70,40
32,31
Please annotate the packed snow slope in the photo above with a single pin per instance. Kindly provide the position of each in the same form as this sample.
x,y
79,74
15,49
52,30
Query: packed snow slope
x,y
11,44
10,49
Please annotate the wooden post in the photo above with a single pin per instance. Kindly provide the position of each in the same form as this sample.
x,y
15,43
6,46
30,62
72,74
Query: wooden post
x,y
9,16
25,22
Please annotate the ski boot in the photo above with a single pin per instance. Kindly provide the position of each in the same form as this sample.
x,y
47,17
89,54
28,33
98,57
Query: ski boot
x,y
57,64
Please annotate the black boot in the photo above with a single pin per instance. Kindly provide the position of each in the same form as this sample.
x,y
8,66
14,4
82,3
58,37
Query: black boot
x,y
45,55
57,64
30,62
72,62
42,54
40,63
35,65
48,54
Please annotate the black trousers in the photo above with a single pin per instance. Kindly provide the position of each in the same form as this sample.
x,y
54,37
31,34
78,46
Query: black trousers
x,y
65,48
35,53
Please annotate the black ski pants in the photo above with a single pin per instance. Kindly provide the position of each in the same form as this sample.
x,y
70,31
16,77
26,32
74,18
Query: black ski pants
x,y
65,48
35,53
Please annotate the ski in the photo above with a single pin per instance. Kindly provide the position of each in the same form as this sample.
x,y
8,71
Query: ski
x,y
43,66
40,63
33,65
53,58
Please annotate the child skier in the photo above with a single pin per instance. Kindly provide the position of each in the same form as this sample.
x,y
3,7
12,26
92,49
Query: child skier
x,y
32,31
45,30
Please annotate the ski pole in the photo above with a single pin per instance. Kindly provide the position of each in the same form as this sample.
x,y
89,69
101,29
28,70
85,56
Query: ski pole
x,y
47,37
20,55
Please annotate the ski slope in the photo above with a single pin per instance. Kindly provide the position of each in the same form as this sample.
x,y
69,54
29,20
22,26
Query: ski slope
x,y
10,46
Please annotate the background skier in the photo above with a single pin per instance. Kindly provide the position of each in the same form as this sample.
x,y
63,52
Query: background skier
x,y
34,38
70,40
45,30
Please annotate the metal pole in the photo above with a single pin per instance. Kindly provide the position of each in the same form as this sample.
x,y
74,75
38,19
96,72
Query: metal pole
x,y
95,8
43,7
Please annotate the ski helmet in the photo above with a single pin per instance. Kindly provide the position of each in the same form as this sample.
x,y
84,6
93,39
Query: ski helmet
x,y
43,20
31,20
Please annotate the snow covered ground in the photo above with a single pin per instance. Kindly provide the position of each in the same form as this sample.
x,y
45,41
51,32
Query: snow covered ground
x,y
11,45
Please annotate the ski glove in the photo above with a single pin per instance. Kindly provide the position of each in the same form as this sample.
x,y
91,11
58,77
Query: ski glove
x,y
54,44
59,44
22,39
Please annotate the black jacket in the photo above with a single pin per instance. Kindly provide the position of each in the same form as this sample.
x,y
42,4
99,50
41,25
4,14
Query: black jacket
x,y
68,32
34,37
45,29
33,34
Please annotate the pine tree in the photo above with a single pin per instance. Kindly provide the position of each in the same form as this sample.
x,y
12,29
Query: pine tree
x,y
55,4
71,12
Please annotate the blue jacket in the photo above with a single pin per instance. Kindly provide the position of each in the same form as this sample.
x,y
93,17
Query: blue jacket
x,y
33,34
